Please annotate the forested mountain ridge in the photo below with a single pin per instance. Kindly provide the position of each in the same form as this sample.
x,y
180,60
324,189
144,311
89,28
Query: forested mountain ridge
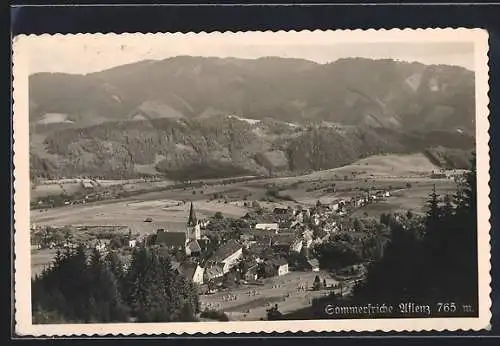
x,y
195,117
218,147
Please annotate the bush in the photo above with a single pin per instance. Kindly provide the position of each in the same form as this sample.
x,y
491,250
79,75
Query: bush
x,y
273,313
215,315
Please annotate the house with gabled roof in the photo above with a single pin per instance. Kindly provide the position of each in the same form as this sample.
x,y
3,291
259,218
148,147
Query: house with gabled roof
x,y
229,254
252,273
171,240
282,242
280,266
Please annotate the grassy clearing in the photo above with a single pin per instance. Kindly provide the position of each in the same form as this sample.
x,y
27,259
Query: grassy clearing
x,y
413,198
40,258
281,290
259,302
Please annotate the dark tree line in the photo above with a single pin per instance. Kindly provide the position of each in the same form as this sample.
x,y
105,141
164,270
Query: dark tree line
x,y
84,288
432,260
346,248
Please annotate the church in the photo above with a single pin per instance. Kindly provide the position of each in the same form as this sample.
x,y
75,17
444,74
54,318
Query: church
x,y
190,240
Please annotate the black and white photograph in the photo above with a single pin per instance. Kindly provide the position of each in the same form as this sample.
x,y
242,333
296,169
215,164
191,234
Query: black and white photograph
x,y
337,178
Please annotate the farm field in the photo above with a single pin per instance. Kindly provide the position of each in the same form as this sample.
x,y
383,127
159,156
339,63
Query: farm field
x,y
413,198
70,187
165,213
386,166
169,208
251,301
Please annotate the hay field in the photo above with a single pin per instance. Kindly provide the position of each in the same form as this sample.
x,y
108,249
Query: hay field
x,y
281,290
377,166
390,172
413,198
165,213
170,207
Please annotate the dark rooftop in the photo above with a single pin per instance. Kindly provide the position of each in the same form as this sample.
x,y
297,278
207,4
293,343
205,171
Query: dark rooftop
x,y
313,262
171,238
226,250
279,261
283,238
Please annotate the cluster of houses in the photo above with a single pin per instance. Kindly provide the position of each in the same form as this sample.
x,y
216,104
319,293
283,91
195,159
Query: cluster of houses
x,y
43,237
262,250
293,230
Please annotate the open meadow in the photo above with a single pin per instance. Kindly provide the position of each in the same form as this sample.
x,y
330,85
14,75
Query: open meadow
x,y
40,258
291,292
407,176
165,213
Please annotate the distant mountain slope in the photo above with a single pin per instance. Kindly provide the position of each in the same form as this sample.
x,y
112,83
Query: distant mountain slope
x,y
212,117
380,93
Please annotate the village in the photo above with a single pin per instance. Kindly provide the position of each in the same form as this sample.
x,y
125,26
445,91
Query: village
x,y
240,266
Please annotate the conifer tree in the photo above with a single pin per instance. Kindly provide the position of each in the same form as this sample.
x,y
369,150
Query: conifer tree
x,y
448,249
465,237
115,265
447,211
433,212
155,292
104,292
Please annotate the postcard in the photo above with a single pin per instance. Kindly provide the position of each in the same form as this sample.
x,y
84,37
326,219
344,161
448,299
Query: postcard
x,y
250,182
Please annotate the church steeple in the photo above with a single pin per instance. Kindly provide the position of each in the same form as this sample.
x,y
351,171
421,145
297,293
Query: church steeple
x,y
192,222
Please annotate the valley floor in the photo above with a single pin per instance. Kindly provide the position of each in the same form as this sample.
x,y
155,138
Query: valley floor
x,y
169,209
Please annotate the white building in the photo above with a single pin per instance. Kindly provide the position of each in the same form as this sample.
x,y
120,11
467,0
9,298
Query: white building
x,y
198,275
192,272
267,227
100,246
281,266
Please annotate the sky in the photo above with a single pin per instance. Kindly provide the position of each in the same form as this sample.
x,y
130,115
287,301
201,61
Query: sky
x,y
88,53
